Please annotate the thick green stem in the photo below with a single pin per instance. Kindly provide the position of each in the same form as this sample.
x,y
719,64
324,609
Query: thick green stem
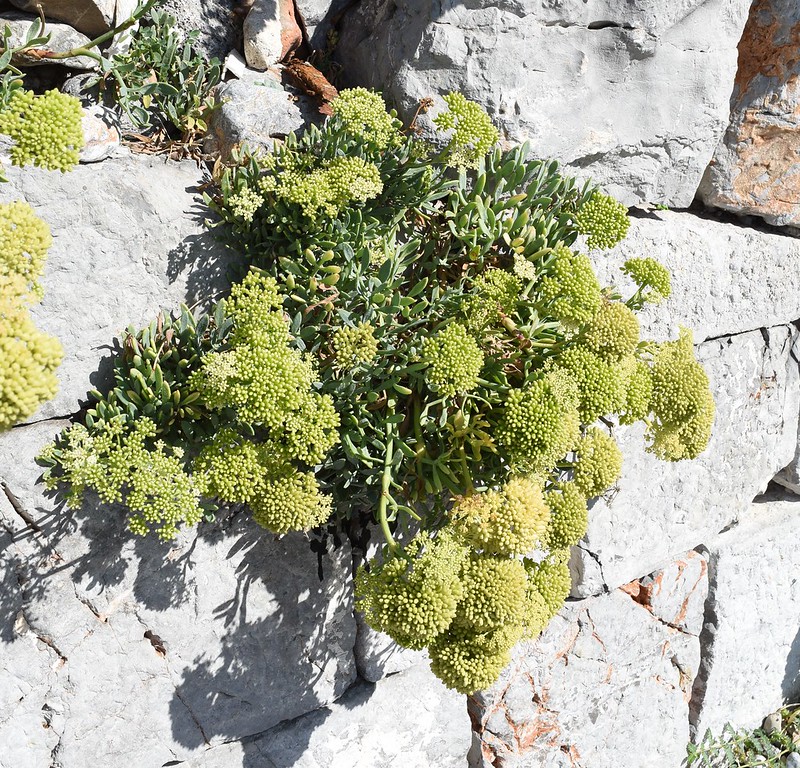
x,y
465,473
84,50
386,480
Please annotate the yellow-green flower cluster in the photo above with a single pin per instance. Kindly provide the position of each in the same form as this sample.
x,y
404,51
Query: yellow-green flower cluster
x,y
364,115
510,521
493,594
46,129
604,220
570,287
601,383
552,579
681,401
28,360
245,203
454,360
638,395
414,601
24,241
569,516
473,132
291,501
354,344
232,468
266,381
117,463
496,292
599,462
344,180
465,593
540,423
235,469
647,273
613,331
468,662
28,357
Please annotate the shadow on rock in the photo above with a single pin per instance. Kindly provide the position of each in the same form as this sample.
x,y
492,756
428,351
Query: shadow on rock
x,y
284,632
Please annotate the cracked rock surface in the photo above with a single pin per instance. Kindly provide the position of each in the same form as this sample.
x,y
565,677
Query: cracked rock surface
x,y
634,95
407,719
751,636
114,645
577,696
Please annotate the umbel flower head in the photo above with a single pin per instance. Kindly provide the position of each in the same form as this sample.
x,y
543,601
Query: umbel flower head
x,y
414,600
454,360
364,115
509,521
473,133
46,129
604,220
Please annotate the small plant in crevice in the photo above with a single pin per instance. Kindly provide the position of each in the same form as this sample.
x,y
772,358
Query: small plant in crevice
x,y
161,82
768,746
421,342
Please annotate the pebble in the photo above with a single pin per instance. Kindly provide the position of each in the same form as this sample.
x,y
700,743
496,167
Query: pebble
x,y
793,760
772,723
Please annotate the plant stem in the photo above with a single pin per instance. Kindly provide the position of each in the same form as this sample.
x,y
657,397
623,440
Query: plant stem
x,y
386,479
84,50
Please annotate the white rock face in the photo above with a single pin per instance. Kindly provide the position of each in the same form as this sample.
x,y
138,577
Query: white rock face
x,y
726,279
751,658
91,17
661,508
128,240
63,38
578,696
270,33
101,134
633,94
126,645
409,719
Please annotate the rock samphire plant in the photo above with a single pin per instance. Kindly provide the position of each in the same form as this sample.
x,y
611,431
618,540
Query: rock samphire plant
x,y
421,340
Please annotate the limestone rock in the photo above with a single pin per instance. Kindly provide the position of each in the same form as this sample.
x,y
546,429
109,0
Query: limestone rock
x,y
633,94
378,656
408,719
101,134
128,240
91,17
127,645
319,16
578,695
217,22
756,169
271,33
255,112
726,279
659,509
62,38
751,638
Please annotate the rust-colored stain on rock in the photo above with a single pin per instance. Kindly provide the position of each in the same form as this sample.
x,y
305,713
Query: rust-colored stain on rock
x,y
764,50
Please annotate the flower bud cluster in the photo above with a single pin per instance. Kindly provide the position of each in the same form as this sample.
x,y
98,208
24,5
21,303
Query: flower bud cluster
x,y
46,129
